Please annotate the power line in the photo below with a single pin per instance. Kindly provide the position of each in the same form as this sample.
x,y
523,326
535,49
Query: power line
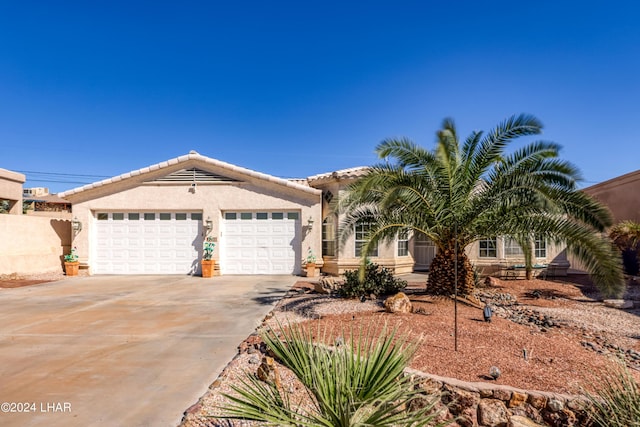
x,y
63,174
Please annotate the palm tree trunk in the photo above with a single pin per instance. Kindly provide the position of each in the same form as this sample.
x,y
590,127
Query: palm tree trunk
x,y
442,274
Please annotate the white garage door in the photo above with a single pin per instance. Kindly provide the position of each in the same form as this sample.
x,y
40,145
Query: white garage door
x,y
260,243
147,243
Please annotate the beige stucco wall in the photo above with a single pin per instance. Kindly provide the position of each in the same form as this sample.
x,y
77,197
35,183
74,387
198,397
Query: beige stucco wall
x,y
621,195
33,244
212,199
11,189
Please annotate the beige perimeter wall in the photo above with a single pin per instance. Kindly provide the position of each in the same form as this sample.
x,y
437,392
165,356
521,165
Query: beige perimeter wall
x,y
33,244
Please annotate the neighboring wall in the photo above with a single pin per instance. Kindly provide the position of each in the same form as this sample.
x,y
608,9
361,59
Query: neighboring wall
x,y
32,245
621,195
11,189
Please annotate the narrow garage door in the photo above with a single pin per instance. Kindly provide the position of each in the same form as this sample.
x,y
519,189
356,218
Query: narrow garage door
x,y
260,243
147,243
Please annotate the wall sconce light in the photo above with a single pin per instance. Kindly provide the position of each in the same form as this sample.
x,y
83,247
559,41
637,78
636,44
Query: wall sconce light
x,y
310,223
76,225
208,225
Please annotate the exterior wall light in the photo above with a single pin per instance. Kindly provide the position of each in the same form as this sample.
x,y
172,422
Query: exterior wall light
x,y
76,225
208,225
310,222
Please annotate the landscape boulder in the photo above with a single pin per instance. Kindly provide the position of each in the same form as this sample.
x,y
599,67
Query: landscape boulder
x,y
399,303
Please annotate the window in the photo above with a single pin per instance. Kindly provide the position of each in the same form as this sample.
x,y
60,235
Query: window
x,y
362,229
117,216
540,246
512,248
488,248
403,243
262,215
277,215
181,217
329,236
165,217
230,216
246,215
103,216
133,216
196,216
149,217
293,215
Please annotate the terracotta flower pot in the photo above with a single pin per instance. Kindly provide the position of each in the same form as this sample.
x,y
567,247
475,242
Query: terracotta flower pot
x,y
71,268
311,269
208,266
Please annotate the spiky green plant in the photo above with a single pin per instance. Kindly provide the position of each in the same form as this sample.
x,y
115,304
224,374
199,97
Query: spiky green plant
x,y
461,192
360,383
616,402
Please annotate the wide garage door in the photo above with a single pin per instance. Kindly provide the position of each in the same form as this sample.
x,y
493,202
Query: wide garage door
x,y
147,243
260,243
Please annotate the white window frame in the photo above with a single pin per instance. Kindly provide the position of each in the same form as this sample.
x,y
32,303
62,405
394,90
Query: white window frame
x,y
487,249
360,231
539,246
329,236
511,248
403,243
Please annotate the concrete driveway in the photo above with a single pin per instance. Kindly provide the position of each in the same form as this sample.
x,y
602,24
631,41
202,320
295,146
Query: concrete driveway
x,y
122,350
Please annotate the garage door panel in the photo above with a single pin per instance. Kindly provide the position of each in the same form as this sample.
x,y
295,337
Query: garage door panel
x,y
260,246
157,246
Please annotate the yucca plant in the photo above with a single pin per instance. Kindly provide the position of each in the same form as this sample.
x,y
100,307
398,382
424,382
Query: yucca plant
x,y
360,383
616,402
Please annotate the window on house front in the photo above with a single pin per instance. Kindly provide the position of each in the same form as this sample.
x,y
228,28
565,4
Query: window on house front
x,y
103,216
196,216
362,229
165,216
488,248
403,243
133,216
149,217
540,246
329,236
293,215
512,248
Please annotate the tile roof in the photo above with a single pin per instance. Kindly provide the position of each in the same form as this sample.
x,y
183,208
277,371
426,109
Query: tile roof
x,y
355,172
193,155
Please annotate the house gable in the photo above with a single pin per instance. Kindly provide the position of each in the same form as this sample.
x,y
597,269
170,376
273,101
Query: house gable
x,y
178,170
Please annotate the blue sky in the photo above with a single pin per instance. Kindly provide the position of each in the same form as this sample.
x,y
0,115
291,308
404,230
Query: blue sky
x,y
298,88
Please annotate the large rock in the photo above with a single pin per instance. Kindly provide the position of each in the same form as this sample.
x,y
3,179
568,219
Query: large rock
x,y
493,413
328,285
399,303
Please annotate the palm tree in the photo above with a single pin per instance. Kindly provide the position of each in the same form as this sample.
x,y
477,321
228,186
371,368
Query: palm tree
x,y
460,193
359,383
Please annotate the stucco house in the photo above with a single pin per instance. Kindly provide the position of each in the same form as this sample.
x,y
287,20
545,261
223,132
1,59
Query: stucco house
x,y
414,252
155,219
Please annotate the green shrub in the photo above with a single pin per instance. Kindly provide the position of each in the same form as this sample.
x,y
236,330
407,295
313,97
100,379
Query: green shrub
x,y
377,280
616,402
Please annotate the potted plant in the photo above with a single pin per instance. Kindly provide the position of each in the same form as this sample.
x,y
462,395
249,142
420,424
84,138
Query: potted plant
x,y
208,263
311,264
71,264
